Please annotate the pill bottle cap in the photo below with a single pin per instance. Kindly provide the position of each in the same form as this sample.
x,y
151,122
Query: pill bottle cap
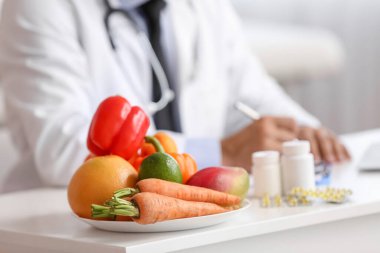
x,y
291,148
266,158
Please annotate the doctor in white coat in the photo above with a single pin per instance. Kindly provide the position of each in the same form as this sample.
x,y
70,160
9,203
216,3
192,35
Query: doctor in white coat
x,y
59,59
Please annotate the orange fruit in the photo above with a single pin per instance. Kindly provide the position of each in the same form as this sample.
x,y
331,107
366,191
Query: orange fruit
x,y
96,180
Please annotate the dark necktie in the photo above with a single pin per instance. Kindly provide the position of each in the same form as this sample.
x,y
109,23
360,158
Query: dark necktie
x,y
168,117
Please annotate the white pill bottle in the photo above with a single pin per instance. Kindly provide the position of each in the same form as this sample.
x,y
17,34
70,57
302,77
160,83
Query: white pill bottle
x,y
297,166
266,173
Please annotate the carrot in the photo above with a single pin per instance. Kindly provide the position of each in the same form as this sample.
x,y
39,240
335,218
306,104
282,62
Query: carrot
x,y
180,191
149,208
123,218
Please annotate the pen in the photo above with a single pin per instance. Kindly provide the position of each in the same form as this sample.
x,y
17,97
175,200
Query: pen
x,y
247,111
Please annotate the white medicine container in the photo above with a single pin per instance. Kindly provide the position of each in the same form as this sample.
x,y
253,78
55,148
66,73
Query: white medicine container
x,y
266,173
297,166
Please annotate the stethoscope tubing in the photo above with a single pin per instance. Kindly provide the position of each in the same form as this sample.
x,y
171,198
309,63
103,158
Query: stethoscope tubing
x,y
167,94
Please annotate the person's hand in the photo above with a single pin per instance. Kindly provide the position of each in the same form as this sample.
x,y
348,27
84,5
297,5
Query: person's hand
x,y
325,146
268,133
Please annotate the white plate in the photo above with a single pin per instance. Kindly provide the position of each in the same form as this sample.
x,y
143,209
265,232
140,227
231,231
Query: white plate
x,y
165,226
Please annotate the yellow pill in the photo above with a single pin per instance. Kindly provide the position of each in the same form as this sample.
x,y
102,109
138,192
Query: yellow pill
x,y
278,200
303,192
265,201
293,202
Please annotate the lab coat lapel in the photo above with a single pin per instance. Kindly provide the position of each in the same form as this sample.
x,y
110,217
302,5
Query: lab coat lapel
x,y
197,70
184,30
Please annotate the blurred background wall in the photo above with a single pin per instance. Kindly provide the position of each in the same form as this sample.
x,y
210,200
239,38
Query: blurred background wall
x,y
325,53
347,99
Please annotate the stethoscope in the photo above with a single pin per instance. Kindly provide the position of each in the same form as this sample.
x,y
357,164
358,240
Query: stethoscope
x,y
167,94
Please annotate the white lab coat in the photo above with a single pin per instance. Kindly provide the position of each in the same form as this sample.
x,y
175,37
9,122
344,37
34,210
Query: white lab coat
x,y
56,65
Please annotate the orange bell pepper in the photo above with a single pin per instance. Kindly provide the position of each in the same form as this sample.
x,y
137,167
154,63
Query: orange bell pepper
x,y
187,165
165,143
147,149
151,145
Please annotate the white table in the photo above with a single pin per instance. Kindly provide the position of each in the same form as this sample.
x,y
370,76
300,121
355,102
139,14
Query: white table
x,y
40,221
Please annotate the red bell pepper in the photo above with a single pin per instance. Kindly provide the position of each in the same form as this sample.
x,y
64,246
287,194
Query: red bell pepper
x,y
117,128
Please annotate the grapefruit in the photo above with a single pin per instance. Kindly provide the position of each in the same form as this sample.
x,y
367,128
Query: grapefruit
x,y
96,180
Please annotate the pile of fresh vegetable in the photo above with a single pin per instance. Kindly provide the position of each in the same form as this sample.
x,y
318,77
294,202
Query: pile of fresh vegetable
x,y
132,176
155,200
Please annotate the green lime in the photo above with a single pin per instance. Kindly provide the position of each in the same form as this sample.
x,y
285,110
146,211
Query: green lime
x,y
162,166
